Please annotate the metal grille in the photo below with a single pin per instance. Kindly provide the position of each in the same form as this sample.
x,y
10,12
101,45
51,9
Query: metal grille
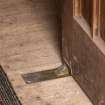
x,y
7,94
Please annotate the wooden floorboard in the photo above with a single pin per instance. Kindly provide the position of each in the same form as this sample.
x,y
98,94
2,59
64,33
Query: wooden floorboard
x,y
28,35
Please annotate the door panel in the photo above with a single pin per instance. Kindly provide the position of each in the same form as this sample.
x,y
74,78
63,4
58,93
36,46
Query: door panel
x,y
83,8
84,46
86,9
102,21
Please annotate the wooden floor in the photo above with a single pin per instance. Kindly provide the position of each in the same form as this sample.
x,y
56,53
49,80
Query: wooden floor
x,y
27,27
28,43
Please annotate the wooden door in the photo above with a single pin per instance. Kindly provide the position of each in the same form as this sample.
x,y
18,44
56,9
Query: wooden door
x,y
84,45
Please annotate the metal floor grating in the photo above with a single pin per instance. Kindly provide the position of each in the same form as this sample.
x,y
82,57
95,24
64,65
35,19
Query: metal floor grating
x,y
7,94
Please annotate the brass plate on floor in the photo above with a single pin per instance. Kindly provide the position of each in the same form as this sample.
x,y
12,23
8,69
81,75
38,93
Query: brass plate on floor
x,y
59,72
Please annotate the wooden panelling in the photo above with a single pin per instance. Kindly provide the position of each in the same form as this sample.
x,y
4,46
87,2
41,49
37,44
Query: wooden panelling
x,y
83,8
82,12
83,56
102,24
77,7
29,35
87,11
96,17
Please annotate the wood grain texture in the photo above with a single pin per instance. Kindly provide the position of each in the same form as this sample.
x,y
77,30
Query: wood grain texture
x,y
29,35
83,56
87,11
102,21
28,43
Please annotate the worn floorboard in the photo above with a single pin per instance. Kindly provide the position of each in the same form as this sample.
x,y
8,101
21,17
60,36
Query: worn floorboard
x,y
27,27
